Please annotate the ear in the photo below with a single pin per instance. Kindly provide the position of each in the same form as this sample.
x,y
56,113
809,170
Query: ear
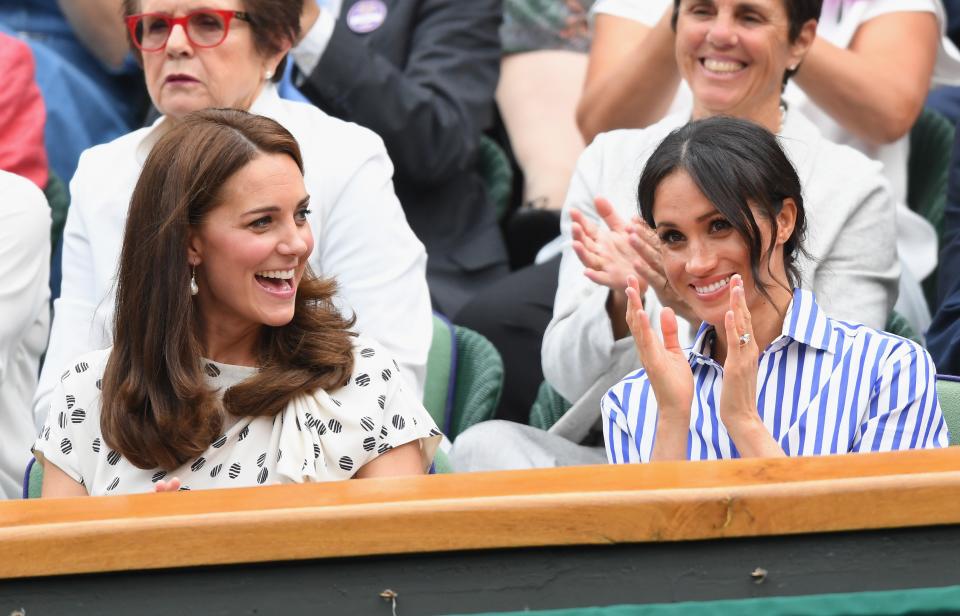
x,y
800,47
194,248
272,61
786,220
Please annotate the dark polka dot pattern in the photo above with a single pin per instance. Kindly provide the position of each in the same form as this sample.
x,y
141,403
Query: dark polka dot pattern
x,y
184,489
434,432
65,446
113,457
63,377
212,371
244,433
158,476
367,352
78,415
346,463
220,442
261,459
82,367
196,466
382,402
384,448
316,451
96,445
297,419
62,420
234,471
386,374
335,426
262,476
335,401
71,400
369,443
383,432
398,422
367,424
362,380
46,434
100,384
279,454
216,470
113,484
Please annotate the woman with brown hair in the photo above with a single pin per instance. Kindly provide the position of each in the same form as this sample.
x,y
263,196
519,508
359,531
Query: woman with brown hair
x,y
230,364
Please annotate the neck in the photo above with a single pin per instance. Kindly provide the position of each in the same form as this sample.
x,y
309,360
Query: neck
x,y
231,345
769,115
767,320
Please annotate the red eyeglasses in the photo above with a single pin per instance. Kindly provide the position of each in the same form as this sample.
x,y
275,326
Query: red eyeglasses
x,y
206,28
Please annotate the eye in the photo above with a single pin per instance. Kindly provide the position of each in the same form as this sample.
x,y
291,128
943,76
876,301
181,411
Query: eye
x,y
207,22
301,215
671,236
720,224
261,223
751,17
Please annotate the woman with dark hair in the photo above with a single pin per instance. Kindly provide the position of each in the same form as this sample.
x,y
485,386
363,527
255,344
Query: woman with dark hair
x,y
770,373
229,53
244,375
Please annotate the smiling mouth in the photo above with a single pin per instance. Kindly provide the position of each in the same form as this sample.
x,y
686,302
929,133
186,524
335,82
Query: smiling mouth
x,y
722,66
712,287
276,281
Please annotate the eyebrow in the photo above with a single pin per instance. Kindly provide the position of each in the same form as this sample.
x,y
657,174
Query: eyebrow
x,y
270,209
701,218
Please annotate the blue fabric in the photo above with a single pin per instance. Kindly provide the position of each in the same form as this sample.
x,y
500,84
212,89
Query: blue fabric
x,y
943,338
87,102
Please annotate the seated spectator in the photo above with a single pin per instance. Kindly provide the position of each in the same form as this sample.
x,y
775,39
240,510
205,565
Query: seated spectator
x,y
227,58
24,303
728,207
92,88
421,74
21,114
863,84
230,365
851,265
943,337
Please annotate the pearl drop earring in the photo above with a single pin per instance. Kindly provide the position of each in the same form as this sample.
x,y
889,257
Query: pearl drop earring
x,y
194,289
268,75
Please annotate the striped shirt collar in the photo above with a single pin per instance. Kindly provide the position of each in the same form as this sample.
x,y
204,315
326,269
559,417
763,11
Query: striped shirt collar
x,y
805,323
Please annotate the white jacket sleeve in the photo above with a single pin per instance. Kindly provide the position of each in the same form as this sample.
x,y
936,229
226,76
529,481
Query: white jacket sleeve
x,y
379,264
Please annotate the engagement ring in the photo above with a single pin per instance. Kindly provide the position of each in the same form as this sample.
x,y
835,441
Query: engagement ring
x,y
744,339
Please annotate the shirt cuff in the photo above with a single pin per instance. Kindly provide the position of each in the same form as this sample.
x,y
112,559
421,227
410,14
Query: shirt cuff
x,y
307,54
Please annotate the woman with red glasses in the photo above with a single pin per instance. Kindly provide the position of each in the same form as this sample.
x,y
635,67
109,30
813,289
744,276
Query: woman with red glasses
x,y
228,53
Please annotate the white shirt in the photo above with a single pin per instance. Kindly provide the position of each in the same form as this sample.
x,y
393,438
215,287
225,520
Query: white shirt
x,y
362,239
917,238
25,310
323,436
851,235
823,387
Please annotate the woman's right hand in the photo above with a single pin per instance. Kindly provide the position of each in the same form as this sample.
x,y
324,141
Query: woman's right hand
x,y
171,485
668,370
606,254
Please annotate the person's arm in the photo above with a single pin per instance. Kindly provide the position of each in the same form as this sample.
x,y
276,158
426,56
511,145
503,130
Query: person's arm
x,y
99,26
875,88
77,326
380,265
903,411
24,265
58,484
857,273
632,75
403,460
430,110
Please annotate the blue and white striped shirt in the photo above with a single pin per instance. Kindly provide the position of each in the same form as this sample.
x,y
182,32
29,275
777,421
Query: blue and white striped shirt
x,y
823,386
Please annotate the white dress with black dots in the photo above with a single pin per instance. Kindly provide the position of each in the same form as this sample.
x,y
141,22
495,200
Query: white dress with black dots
x,y
317,437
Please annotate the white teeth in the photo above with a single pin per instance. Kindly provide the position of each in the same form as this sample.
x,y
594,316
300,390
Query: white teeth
x,y
722,66
716,286
282,274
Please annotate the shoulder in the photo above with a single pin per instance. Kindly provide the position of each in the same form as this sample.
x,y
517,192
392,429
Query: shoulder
x,y
21,198
318,132
87,369
882,349
109,162
372,362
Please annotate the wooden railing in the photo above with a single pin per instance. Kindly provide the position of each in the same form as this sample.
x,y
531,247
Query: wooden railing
x,y
548,507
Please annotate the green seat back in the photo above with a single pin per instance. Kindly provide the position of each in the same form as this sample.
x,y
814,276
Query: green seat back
x,y
34,480
928,170
497,174
438,387
479,381
59,199
898,325
948,392
548,407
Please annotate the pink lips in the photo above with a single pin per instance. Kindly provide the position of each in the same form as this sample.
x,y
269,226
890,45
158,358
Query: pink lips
x,y
180,78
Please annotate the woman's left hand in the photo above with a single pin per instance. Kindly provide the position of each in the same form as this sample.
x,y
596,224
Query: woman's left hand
x,y
738,400
167,486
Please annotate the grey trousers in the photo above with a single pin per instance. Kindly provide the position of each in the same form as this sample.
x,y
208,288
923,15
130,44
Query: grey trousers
x,y
505,445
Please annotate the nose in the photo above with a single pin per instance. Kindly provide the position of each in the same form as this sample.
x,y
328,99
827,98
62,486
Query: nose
x,y
701,259
297,241
722,31
177,42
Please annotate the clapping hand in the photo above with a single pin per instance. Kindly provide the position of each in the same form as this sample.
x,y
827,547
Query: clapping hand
x,y
605,253
667,366
171,485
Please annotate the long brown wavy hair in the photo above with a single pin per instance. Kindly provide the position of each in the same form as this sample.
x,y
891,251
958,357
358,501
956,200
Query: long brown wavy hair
x,y
157,409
